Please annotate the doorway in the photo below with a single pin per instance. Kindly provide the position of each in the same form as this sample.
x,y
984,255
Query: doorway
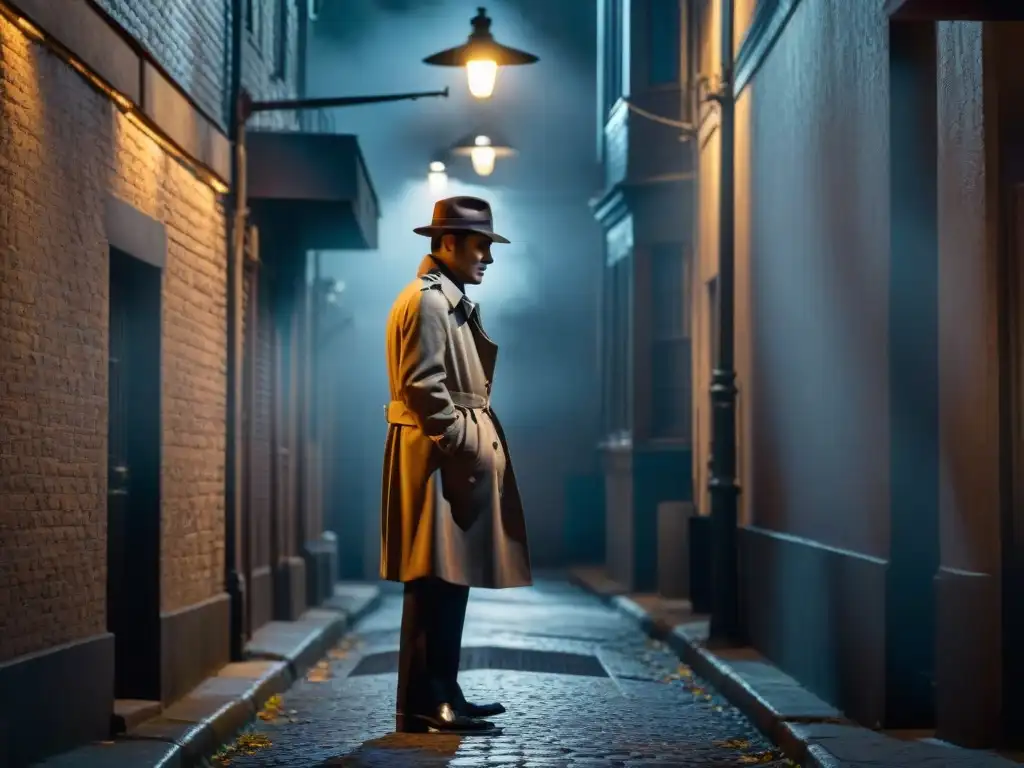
x,y
133,476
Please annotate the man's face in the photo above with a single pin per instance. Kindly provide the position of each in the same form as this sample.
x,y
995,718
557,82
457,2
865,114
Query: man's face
x,y
467,256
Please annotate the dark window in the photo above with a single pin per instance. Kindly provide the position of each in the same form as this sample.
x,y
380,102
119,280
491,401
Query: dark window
x,y
281,39
618,346
663,39
252,19
613,44
671,380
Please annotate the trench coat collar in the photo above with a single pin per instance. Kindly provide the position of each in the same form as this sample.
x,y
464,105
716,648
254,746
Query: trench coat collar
x,y
451,291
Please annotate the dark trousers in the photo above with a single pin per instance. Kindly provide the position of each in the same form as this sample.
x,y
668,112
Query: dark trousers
x,y
433,615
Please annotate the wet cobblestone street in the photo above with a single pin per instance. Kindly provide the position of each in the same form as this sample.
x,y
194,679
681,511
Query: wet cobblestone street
x,y
582,684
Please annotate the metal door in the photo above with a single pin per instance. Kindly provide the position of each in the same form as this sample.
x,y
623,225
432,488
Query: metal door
x,y
133,477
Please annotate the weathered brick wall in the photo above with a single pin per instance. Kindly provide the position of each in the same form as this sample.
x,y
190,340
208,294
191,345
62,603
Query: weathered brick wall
x,y
262,446
190,38
63,148
52,353
258,406
194,362
258,63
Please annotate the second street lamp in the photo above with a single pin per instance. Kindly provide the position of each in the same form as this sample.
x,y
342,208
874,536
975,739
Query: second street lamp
x,y
481,55
437,178
483,152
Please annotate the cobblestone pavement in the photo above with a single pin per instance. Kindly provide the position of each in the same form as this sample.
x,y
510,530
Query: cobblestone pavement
x,y
627,703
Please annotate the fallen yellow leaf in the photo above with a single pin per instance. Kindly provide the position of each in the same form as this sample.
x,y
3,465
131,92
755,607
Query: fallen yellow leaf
x,y
248,743
757,757
253,741
733,744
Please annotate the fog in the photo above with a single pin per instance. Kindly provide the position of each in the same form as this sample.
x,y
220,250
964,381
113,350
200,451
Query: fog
x,y
540,298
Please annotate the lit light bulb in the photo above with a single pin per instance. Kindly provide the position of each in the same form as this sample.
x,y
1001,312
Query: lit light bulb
x,y
483,156
481,74
437,179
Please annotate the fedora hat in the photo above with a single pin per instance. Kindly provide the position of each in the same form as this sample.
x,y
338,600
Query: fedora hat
x,y
461,214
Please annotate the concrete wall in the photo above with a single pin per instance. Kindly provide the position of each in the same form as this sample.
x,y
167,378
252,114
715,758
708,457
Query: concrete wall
x,y
817,176
818,431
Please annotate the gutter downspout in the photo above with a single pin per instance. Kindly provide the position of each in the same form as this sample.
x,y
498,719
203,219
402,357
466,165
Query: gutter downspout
x,y
236,213
723,487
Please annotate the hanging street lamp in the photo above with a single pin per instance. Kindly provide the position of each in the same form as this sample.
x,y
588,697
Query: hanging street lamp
x,y
483,152
437,178
481,55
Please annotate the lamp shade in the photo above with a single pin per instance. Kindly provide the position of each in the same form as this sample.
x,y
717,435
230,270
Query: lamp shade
x,y
481,55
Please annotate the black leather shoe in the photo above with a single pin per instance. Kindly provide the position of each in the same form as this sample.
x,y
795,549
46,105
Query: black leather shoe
x,y
469,709
444,719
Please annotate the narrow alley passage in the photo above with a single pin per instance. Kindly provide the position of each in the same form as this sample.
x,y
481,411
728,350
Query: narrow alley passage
x,y
582,684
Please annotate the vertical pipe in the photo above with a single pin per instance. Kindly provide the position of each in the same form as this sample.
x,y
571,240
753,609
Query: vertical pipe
x,y
602,78
236,214
251,351
724,490
276,504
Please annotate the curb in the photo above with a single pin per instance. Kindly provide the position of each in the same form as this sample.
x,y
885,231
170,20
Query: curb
x,y
188,732
732,686
809,731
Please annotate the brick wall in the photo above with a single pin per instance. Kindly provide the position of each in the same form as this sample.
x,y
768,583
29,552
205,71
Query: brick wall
x,y
194,362
190,38
63,148
258,63
259,412
53,362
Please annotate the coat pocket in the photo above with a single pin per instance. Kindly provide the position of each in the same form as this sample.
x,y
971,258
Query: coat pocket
x,y
468,475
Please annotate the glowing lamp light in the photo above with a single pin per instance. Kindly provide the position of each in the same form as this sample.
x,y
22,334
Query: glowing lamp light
x,y
437,179
481,55
481,74
483,156
483,152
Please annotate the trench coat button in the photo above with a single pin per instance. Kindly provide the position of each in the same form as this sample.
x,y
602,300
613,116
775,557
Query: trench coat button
x,y
495,444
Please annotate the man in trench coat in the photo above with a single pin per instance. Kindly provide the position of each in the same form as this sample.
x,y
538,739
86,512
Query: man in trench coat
x,y
451,514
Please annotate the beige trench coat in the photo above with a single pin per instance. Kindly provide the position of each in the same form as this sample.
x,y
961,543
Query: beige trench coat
x,y
450,506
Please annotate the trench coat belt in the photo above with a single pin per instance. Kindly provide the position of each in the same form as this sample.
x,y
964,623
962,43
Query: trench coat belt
x,y
397,412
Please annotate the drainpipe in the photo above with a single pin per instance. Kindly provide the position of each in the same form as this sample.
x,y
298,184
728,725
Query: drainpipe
x,y
723,487
235,211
